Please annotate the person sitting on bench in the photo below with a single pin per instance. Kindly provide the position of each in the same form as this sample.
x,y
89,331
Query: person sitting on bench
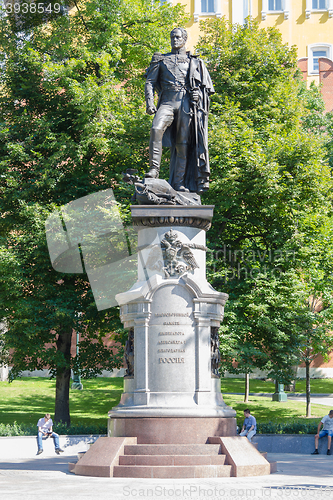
x,y
249,428
45,430
327,423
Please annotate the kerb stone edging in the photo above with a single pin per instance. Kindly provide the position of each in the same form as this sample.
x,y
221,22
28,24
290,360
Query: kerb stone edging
x,y
289,443
26,446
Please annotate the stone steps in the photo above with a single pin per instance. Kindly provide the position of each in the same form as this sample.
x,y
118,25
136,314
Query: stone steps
x,y
172,461
172,472
231,456
172,449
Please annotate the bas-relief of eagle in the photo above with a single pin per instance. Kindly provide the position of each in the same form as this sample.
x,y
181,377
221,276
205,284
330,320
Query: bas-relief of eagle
x,y
178,257
186,254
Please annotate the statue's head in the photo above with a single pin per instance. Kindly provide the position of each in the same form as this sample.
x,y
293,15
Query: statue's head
x,y
178,38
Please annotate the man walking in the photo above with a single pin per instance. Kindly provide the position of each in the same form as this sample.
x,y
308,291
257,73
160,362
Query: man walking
x,y
183,85
45,429
327,423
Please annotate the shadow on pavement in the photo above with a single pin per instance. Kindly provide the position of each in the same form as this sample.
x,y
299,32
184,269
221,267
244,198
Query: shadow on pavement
x,y
55,464
303,465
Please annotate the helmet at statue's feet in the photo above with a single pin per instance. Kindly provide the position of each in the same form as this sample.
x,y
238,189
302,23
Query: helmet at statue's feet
x,y
152,173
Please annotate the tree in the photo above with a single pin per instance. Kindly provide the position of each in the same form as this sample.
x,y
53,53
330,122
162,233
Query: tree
x,y
314,306
71,120
269,171
259,330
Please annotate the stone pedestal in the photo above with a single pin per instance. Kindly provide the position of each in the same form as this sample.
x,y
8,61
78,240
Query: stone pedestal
x,y
170,430
171,421
172,314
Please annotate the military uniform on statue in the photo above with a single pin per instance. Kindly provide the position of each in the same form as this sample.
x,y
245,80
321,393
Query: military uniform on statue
x,y
181,120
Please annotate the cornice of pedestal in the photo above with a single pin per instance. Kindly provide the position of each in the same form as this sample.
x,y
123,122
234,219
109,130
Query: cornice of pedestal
x,y
197,411
199,217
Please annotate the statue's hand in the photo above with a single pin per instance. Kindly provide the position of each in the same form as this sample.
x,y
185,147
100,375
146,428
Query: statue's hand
x,y
195,95
151,110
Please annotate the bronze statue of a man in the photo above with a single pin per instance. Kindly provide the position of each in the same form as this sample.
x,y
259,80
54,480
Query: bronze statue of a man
x,y
183,85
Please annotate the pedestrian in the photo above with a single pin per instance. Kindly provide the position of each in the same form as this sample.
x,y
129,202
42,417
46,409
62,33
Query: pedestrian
x,y
45,429
327,423
249,428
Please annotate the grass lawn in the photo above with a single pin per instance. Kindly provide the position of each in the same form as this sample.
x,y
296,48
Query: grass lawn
x,y
266,410
318,386
27,399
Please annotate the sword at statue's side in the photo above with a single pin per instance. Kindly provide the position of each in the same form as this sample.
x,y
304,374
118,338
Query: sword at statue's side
x,y
195,116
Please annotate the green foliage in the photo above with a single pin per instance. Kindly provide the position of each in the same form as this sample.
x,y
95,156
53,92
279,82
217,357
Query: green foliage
x,y
265,166
289,427
251,69
72,120
16,429
258,330
271,187
80,428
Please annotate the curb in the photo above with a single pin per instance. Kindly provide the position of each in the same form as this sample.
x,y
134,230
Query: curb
x,y
26,446
290,443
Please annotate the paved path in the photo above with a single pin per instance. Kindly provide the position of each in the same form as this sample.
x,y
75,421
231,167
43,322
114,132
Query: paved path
x,y
298,476
318,399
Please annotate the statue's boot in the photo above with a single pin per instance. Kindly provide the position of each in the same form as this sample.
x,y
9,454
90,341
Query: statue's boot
x,y
180,168
152,173
155,153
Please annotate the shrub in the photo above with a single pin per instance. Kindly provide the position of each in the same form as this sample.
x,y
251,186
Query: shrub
x,y
16,429
288,427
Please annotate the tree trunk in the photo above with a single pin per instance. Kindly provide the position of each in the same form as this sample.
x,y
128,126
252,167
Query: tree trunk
x,y
308,390
247,387
63,379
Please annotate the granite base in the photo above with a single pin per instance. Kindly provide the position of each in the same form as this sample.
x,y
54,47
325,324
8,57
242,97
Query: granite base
x,y
171,430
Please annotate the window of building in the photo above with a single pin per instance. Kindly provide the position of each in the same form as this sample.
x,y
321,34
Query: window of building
x,y
316,51
319,5
315,59
207,6
275,5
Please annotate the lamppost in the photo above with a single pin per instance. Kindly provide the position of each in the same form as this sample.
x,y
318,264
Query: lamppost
x,y
76,377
